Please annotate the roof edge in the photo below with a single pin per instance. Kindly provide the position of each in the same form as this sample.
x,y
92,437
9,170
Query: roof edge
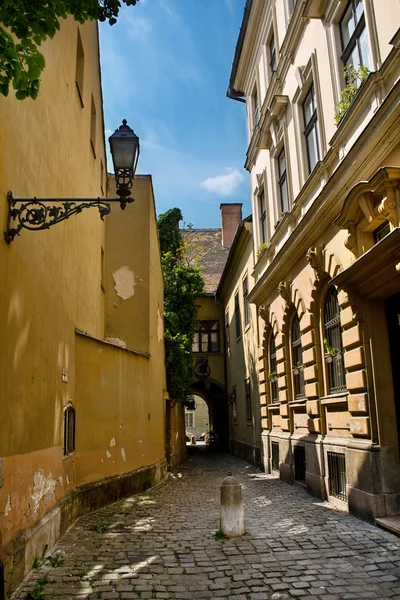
x,y
231,92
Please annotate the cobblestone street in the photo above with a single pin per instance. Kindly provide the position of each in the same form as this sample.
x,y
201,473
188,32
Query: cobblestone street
x,y
163,544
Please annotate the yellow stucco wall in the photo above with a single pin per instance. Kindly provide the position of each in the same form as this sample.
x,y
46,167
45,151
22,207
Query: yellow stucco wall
x,y
56,283
209,309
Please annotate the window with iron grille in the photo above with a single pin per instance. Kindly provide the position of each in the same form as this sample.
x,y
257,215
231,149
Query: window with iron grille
x,y
297,359
282,182
228,344
263,214
272,376
234,403
206,337
311,129
300,464
248,399
272,55
275,456
237,316
353,35
333,343
245,301
337,475
69,430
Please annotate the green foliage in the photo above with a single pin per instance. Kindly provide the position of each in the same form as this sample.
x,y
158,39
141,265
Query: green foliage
x,y
330,349
219,536
56,559
261,249
31,22
354,78
99,527
36,563
182,284
38,591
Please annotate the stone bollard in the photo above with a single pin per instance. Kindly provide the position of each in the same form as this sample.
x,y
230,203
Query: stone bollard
x,y
232,509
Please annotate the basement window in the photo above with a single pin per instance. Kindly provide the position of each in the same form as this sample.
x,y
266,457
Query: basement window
x,y
300,464
69,430
337,475
275,455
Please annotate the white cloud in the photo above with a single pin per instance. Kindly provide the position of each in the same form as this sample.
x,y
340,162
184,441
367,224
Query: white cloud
x,y
223,185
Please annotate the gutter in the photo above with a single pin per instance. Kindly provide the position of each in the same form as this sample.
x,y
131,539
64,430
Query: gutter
x,y
231,92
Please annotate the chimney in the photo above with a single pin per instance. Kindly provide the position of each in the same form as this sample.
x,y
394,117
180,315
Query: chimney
x,y
231,215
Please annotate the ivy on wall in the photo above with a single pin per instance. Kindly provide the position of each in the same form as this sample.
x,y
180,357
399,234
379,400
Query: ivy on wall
x,y
31,22
182,284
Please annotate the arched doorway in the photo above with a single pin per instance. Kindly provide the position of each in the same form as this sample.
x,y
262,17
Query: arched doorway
x,y
197,421
215,397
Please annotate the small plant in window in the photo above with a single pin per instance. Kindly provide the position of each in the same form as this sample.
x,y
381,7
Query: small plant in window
x,y
330,351
297,367
262,248
273,376
354,79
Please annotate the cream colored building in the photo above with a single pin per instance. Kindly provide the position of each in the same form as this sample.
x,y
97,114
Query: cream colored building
x,y
326,212
82,395
240,318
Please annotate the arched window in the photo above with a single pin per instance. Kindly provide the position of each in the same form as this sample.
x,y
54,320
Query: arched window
x,y
273,375
333,343
297,359
69,430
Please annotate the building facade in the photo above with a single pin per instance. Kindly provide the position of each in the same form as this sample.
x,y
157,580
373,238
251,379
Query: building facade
x,y
224,346
324,171
82,395
240,319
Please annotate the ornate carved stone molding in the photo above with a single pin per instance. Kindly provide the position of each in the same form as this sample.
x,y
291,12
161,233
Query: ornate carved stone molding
x,y
284,291
387,207
263,311
351,241
313,256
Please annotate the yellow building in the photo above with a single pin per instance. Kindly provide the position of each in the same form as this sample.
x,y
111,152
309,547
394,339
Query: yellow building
x,y
82,371
326,216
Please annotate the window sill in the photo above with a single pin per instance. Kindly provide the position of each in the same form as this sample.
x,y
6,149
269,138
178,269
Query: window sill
x,y
274,405
297,402
335,398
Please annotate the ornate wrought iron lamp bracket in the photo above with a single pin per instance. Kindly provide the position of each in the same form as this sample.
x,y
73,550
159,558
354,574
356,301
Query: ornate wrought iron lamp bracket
x,y
42,213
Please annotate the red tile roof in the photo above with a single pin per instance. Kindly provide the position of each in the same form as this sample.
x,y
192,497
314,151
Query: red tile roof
x,y
205,249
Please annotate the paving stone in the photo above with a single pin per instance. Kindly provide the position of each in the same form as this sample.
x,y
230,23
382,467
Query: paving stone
x,y
161,544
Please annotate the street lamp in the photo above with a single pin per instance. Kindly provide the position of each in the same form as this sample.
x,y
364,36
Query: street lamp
x,y
41,213
125,148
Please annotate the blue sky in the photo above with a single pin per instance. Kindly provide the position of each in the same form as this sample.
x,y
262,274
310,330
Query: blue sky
x,y
165,68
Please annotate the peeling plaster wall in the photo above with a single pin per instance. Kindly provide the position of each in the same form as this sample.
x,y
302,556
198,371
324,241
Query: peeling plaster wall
x,y
50,279
56,282
119,404
127,268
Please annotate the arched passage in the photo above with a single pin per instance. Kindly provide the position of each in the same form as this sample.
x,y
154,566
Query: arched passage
x,y
215,397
